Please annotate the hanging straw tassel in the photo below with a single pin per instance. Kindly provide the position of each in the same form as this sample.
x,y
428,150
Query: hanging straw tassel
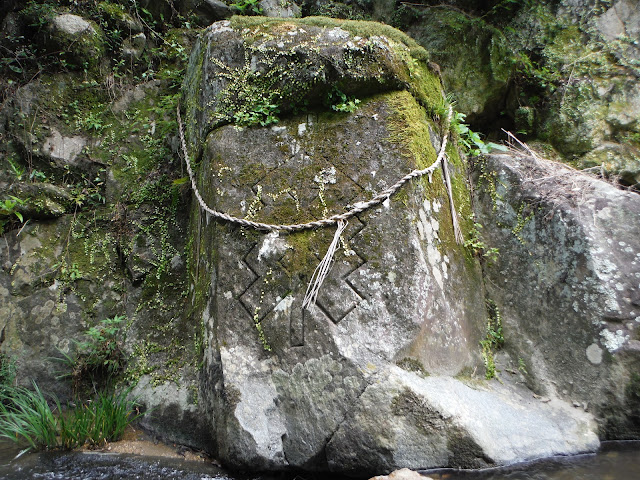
x,y
323,268
457,233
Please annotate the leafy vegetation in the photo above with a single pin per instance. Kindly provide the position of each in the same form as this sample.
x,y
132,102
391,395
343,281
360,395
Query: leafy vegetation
x,y
27,419
470,140
340,102
494,339
478,246
9,210
247,7
9,207
99,359
7,371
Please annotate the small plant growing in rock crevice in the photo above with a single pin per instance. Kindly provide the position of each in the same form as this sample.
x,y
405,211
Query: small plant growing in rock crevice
x,y
98,360
494,339
341,102
8,210
470,140
478,246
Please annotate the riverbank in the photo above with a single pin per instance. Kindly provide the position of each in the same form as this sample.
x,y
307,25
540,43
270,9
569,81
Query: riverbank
x,y
140,456
137,442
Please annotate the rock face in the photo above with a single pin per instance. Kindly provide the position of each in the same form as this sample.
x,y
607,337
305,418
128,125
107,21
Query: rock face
x,y
345,386
474,57
571,242
100,233
565,73
293,120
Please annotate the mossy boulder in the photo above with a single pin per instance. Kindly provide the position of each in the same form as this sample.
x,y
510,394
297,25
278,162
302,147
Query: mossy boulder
x,y
80,41
286,387
252,69
90,166
118,17
40,200
474,57
578,71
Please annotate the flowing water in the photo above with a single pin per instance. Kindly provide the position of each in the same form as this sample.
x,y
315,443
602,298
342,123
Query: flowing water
x,y
616,461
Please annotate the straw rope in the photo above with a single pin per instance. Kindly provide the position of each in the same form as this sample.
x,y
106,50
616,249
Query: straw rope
x,y
325,222
341,219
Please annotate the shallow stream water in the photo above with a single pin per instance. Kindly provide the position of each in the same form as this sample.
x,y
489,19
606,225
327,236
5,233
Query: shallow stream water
x,y
616,461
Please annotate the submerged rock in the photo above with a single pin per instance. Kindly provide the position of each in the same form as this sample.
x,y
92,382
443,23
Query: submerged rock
x,y
402,474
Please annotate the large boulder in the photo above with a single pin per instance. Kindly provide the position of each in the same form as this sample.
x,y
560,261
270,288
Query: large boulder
x,y
362,383
80,41
570,242
270,70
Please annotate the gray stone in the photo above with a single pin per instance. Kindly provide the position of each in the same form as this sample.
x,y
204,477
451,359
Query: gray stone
x,y
594,354
232,77
280,8
63,150
40,200
616,161
208,11
304,396
402,474
429,422
133,47
81,40
622,21
134,94
319,389
71,24
571,242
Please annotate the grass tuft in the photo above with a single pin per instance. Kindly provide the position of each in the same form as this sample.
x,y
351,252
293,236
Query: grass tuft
x,y
28,419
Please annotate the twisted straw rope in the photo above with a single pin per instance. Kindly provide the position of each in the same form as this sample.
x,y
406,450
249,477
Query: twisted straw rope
x,y
325,222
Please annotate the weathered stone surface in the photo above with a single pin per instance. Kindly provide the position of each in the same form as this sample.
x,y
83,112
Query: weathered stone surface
x,y
206,11
563,72
591,117
617,161
319,389
40,200
571,242
239,68
622,21
384,298
473,56
104,231
593,107
81,40
118,16
133,47
63,150
282,9
429,422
